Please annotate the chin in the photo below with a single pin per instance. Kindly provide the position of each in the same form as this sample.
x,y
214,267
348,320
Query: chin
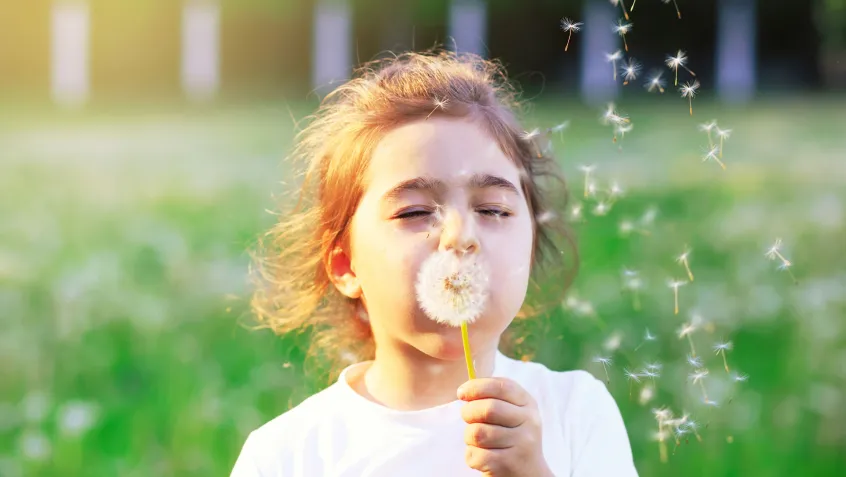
x,y
445,345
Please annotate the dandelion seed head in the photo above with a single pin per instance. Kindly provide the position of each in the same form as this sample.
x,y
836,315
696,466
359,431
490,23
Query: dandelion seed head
x,y
739,378
655,82
676,284
587,169
631,376
570,26
601,208
622,28
631,69
723,346
724,133
689,89
712,154
452,289
616,56
604,360
530,135
694,361
686,330
707,127
675,61
698,375
560,127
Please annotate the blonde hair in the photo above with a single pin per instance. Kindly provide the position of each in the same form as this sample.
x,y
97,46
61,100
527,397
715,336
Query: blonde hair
x,y
294,292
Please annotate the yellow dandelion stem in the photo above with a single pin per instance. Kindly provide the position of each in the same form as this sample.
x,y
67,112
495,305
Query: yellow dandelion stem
x,y
468,355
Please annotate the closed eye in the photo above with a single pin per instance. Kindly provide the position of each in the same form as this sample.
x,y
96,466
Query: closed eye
x,y
494,212
412,214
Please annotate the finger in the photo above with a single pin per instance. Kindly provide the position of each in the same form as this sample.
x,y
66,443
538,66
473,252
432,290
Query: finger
x,y
493,411
498,388
489,436
488,461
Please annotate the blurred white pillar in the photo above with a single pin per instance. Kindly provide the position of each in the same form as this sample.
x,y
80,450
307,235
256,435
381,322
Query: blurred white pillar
x,y
596,39
201,49
736,50
332,54
468,25
69,52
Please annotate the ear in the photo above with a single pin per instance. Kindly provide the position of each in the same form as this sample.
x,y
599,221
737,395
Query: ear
x,y
340,271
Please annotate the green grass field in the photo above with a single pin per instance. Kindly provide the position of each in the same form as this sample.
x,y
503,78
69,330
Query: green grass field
x,y
123,283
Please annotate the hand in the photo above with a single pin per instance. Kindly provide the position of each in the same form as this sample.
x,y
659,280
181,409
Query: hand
x,y
503,434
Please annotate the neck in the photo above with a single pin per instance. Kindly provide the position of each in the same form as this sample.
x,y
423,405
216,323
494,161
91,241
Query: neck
x,y
404,378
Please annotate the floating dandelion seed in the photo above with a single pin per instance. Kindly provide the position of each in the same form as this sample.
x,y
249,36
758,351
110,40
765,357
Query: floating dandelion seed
x,y
439,104
621,130
688,91
613,58
587,170
740,378
774,253
723,134
678,13
622,5
675,285
621,29
453,290
576,212
694,361
530,136
713,154
707,128
686,331
633,283
558,128
632,378
662,415
630,71
601,208
684,260
605,363
655,82
721,348
569,26
674,62
697,377
647,337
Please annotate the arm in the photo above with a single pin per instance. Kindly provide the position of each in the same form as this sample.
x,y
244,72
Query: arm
x,y
604,448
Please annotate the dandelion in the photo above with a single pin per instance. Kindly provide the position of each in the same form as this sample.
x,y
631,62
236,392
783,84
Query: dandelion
x,y
621,29
655,82
587,170
740,378
647,336
713,154
694,361
723,134
721,348
678,13
605,363
688,91
675,285
662,415
632,378
576,212
601,208
612,117
621,130
558,128
439,104
686,331
453,290
630,71
613,58
622,5
707,128
633,283
674,62
651,371
530,136
569,26
683,259
774,253
697,377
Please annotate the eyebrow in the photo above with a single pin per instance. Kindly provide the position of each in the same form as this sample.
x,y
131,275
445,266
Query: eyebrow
x,y
476,181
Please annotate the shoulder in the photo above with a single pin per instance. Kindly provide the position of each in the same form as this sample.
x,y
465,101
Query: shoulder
x,y
270,446
569,390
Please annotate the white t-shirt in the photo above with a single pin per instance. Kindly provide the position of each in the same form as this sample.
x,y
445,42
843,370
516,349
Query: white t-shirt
x,y
339,433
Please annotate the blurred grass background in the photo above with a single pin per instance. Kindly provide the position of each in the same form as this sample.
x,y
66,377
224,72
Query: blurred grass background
x,y
123,270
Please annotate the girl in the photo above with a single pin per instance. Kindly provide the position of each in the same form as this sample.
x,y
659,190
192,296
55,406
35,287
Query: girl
x,y
417,155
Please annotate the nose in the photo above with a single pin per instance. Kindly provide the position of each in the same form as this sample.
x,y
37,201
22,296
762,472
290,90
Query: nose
x,y
458,234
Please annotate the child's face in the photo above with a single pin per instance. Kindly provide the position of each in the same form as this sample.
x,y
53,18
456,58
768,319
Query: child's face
x,y
395,229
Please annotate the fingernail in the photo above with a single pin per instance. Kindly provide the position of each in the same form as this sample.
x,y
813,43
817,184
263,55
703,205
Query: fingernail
x,y
461,392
